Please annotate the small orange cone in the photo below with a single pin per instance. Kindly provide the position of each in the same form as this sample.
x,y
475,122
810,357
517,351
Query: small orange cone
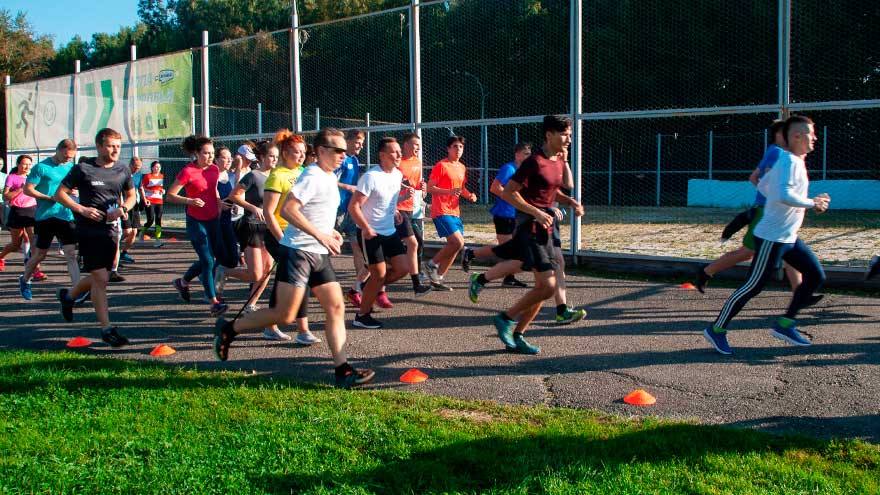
x,y
413,376
79,342
688,286
146,237
162,350
172,239
639,398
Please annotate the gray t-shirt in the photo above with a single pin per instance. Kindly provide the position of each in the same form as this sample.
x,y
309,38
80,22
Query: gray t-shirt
x,y
318,191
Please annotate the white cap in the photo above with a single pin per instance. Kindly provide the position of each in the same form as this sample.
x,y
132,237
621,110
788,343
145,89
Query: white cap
x,y
245,151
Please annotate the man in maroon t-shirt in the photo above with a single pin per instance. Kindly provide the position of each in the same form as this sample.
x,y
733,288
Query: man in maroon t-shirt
x,y
534,191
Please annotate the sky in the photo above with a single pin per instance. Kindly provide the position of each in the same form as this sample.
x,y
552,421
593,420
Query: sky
x,y
66,18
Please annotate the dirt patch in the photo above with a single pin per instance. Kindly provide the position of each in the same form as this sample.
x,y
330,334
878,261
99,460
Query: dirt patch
x,y
473,416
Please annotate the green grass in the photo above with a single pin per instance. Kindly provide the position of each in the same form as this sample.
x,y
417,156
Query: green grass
x,y
77,424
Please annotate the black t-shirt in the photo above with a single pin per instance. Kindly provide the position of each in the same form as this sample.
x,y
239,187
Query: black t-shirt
x,y
541,179
99,188
254,185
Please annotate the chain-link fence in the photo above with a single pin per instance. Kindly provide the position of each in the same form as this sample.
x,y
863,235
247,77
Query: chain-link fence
x,y
675,100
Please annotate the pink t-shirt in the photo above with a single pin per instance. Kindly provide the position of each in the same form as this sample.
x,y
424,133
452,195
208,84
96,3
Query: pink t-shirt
x,y
201,183
15,182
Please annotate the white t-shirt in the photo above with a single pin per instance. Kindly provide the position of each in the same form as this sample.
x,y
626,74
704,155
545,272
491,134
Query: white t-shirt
x,y
785,186
381,189
318,191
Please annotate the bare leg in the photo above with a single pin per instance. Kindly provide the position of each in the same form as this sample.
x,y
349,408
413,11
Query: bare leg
x,y
372,287
99,279
70,257
446,256
330,297
729,260
545,285
560,294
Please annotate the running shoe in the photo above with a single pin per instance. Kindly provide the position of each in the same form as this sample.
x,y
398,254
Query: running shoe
x,y
182,290
113,337
81,300
356,377
702,279
432,270
523,346
66,305
24,288
474,288
814,299
273,333
39,276
718,341
571,316
790,335
116,277
2,265
505,330
383,302
440,286
224,334
218,309
511,281
306,338
873,268
219,279
126,258
366,321
466,257
354,297
422,289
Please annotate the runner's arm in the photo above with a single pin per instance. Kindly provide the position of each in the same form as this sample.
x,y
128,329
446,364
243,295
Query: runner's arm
x,y
756,176
31,190
270,202
292,212
172,195
357,215
514,198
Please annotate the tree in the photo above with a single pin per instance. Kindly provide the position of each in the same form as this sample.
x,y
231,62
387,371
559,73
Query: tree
x,y
23,54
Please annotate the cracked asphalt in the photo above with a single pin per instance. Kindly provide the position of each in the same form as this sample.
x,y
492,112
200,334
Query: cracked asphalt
x,y
637,335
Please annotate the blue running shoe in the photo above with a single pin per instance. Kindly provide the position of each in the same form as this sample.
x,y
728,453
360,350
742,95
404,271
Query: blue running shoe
x,y
474,288
718,341
790,335
523,347
505,330
25,288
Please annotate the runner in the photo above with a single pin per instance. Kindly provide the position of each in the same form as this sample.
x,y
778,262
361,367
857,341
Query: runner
x,y
410,205
776,238
133,223
534,190
304,261
22,211
199,180
448,182
374,209
503,215
101,182
154,191
228,253
278,184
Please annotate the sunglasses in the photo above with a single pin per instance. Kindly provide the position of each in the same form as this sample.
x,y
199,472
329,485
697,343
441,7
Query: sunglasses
x,y
334,148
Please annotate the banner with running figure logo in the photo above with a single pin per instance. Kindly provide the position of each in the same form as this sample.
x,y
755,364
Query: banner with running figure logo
x,y
146,100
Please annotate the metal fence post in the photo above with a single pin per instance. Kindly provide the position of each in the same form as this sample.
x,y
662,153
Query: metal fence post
x,y
659,145
7,81
134,122
295,76
711,134
824,152
367,120
610,171
784,52
317,119
484,157
415,68
576,86
76,69
259,118
206,88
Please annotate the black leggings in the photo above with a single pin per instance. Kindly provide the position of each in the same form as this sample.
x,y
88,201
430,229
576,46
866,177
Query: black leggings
x,y
154,212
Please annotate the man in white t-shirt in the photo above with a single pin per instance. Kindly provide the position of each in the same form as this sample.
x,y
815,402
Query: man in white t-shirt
x,y
374,209
304,262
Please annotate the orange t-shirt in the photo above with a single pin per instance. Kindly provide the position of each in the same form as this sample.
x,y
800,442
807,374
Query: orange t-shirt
x,y
154,187
411,168
448,175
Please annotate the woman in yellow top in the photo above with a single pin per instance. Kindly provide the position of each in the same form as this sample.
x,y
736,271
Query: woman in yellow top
x,y
278,184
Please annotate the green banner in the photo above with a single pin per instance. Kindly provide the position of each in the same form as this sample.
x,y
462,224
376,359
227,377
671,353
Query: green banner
x,y
159,99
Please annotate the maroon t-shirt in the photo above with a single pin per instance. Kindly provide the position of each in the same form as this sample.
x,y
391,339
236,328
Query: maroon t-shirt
x,y
541,179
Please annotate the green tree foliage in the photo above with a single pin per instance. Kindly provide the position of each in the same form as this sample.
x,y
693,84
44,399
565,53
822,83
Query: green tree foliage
x,y
23,54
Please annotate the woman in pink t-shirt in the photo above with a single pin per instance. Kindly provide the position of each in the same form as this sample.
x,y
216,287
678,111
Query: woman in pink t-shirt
x,y
199,179
22,209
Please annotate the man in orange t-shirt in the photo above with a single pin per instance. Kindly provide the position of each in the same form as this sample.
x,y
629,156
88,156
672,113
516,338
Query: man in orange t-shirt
x,y
448,182
410,229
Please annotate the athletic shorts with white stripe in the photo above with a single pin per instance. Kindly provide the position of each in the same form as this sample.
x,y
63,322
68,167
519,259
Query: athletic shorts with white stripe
x,y
768,258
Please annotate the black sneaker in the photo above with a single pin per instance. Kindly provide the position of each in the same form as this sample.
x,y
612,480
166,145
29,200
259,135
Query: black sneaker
x,y
421,290
814,299
182,290
873,268
81,300
366,321
441,287
116,277
218,309
224,334
66,305
702,279
511,281
356,377
466,257
113,337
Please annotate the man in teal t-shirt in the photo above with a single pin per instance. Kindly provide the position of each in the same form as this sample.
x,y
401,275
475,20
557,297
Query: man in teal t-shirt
x,y
53,220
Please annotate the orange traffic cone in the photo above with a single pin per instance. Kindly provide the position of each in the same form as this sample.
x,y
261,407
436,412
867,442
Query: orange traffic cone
x,y
688,286
639,398
413,376
146,237
172,239
162,350
79,342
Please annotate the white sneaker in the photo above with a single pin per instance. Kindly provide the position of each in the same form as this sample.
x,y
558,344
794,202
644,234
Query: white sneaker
x,y
306,338
275,334
251,308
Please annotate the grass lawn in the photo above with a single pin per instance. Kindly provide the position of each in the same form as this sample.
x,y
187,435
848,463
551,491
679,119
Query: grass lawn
x,y
77,424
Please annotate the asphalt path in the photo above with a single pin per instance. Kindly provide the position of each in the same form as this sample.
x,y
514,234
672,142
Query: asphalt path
x,y
637,335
